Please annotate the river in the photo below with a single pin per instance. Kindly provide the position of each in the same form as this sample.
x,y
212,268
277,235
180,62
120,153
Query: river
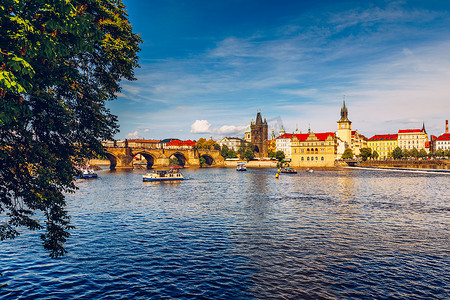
x,y
222,234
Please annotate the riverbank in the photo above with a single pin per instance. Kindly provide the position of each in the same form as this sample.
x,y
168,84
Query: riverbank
x,y
438,164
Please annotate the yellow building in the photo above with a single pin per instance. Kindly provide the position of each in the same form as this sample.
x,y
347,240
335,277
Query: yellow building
x,y
313,149
384,144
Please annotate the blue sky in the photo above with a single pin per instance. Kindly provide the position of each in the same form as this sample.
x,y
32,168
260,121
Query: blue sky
x,y
208,66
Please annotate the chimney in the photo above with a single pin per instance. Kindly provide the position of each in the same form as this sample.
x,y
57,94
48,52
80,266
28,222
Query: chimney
x,y
446,126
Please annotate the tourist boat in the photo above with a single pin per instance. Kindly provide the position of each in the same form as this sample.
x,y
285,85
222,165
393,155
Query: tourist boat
x,y
288,170
241,166
163,175
87,173
309,170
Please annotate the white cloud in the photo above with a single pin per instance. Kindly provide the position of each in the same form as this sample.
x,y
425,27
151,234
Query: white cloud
x,y
133,135
201,126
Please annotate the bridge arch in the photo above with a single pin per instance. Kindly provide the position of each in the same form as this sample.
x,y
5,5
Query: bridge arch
x,y
148,157
181,158
112,160
209,160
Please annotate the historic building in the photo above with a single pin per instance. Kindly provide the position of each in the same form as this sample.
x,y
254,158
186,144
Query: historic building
x,y
384,144
233,143
443,142
313,149
351,139
412,138
248,134
259,136
283,143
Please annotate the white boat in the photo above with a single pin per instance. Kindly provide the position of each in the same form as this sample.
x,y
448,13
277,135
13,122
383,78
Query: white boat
x,y
87,173
163,175
241,166
309,170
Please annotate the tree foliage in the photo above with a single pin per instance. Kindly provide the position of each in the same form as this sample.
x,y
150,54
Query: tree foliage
x,y
397,153
374,155
348,153
365,153
279,155
248,154
202,143
60,61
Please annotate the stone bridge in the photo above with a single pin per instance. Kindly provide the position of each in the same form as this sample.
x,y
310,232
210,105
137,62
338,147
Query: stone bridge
x,y
122,157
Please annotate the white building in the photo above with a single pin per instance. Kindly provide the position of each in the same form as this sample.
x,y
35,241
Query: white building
x,y
443,142
283,143
232,143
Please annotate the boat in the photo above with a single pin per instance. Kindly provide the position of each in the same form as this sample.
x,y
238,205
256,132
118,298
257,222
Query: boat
x,y
288,170
241,166
87,173
309,170
163,175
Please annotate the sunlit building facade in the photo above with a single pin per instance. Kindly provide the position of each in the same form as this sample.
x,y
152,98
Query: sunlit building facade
x,y
383,144
313,149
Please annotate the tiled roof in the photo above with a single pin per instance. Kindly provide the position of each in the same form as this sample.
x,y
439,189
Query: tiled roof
x,y
444,137
384,137
409,130
285,136
320,136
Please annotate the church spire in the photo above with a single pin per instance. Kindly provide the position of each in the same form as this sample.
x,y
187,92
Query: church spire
x,y
344,113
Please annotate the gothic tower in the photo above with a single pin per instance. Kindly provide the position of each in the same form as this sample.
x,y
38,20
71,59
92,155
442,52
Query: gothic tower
x,y
259,135
344,131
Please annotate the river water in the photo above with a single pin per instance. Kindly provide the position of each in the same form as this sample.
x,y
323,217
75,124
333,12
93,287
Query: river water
x,y
222,234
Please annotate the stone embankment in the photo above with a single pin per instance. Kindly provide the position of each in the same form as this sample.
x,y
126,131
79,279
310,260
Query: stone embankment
x,y
411,164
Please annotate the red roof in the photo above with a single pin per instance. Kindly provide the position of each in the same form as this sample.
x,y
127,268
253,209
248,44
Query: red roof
x,y
320,136
188,143
384,137
174,143
409,130
427,144
285,136
444,137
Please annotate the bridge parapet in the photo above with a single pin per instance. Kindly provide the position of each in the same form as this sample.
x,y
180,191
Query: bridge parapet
x,y
122,157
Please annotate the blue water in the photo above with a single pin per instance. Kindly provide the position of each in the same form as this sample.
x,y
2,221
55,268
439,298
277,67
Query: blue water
x,y
222,234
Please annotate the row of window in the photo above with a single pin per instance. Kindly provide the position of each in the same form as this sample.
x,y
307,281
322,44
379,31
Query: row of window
x,y
312,158
310,150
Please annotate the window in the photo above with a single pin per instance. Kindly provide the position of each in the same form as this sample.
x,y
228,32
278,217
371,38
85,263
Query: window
x,y
307,158
317,158
302,158
322,158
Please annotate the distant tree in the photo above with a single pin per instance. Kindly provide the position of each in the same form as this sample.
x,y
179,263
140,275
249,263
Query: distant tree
x,y
348,153
279,155
224,151
231,154
216,147
60,62
365,153
414,152
423,153
248,155
201,143
174,161
271,153
374,155
397,153
202,161
406,153
439,153
447,153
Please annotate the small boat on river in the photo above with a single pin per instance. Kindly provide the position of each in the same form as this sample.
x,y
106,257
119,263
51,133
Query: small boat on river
x,y
288,170
87,173
163,175
241,166
309,170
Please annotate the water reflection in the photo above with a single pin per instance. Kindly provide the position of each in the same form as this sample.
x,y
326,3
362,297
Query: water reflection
x,y
222,234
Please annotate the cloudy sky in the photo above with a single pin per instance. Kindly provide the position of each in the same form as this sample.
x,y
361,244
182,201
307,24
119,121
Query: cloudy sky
x,y
207,66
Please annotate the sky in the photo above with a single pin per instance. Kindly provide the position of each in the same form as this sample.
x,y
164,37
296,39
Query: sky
x,y
207,67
